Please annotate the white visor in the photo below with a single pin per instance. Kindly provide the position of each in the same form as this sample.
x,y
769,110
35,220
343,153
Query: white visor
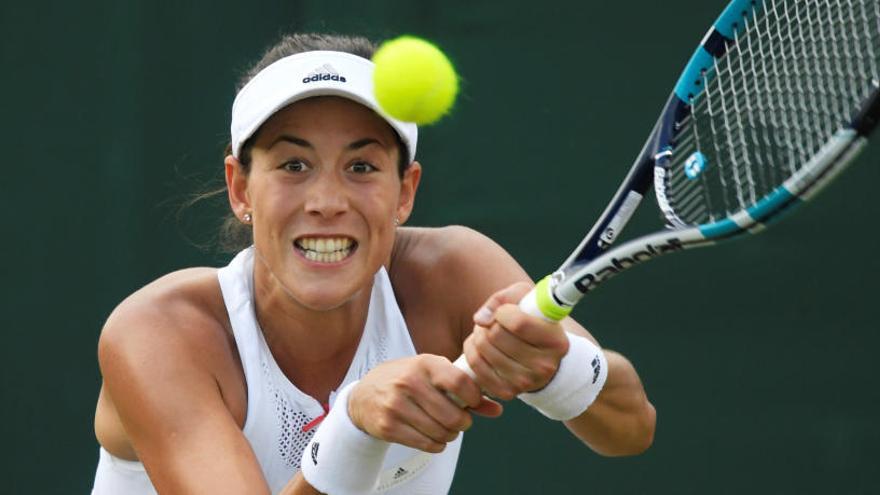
x,y
300,76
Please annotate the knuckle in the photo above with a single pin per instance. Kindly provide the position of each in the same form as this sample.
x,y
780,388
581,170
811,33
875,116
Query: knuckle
x,y
523,383
460,382
515,321
467,348
546,369
562,344
437,447
398,383
493,335
429,445
505,393
394,403
466,422
435,360
450,436
384,427
458,422
481,343
522,286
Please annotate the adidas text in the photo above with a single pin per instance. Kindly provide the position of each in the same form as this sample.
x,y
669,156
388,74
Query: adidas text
x,y
323,77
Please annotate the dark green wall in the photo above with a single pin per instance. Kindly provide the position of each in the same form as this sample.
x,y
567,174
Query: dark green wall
x,y
758,354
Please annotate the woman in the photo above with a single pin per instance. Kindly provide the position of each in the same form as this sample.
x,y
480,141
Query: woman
x,y
220,381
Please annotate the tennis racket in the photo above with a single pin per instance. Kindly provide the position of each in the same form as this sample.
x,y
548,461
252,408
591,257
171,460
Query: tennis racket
x,y
777,99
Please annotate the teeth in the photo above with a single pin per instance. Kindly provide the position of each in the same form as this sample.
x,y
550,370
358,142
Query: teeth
x,y
325,250
325,245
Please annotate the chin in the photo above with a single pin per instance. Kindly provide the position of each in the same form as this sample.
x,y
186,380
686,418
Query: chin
x,y
321,301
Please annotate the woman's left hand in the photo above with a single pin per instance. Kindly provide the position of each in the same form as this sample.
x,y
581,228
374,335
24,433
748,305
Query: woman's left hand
x,y
510,351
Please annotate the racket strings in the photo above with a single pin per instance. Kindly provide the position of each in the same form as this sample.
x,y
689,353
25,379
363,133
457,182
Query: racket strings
x,y
791,78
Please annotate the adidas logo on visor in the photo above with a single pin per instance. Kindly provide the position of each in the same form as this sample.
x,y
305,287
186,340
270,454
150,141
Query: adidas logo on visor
x,y
325,72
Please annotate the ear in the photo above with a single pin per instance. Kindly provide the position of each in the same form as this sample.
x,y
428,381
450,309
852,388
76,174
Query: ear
x,y
236,186
408,186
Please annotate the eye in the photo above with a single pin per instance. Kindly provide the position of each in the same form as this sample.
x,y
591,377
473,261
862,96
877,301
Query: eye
x,y
295,166
362,168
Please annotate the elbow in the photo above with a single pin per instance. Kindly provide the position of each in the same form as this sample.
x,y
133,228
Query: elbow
x,y
638,437
647,427
643,436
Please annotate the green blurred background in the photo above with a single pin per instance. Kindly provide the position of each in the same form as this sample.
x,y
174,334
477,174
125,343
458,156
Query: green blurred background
x,y
759,355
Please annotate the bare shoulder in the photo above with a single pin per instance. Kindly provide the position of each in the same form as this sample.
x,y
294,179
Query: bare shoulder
x,y
455,248
183,307
167,343
447,273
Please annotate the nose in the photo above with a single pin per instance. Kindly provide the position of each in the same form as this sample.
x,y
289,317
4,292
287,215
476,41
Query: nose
x,y
327,196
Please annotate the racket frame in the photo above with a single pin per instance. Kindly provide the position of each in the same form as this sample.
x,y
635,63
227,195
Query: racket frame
x,y
592,263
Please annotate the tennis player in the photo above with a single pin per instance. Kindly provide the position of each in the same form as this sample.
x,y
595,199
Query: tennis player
x,y
320,359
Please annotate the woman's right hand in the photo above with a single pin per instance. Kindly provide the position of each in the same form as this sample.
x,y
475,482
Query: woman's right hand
x,y
405,401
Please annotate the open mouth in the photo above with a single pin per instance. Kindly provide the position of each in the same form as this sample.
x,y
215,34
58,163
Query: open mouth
x,y
325,249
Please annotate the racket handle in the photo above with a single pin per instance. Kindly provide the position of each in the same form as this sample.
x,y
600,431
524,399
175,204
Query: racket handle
x,y
538,302
462,364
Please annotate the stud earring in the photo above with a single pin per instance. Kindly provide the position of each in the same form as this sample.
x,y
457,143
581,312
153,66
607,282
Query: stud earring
x,y
247,218
396,222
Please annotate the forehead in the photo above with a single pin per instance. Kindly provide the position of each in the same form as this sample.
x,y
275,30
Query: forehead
x,y
327,117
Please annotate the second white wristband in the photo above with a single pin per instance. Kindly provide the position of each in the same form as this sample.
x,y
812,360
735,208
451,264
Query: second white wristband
x,y
578,381
341,459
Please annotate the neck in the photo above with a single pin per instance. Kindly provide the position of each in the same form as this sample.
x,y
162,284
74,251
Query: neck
x,y
314,348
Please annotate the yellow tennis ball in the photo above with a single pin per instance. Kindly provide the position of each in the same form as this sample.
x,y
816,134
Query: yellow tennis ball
x,y
413,80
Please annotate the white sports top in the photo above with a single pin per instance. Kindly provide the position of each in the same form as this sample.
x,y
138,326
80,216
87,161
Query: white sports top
x,y
279,417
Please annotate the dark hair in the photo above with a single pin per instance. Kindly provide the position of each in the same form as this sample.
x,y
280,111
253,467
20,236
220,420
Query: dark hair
x,y
234,235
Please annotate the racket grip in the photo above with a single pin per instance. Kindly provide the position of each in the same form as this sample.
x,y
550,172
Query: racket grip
x,y
462,364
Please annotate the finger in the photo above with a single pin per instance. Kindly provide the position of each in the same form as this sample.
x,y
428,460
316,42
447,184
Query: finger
x,y
409,436
487,379
413,413
509,344
509,295
514,373
441,409
536,331
488,408
454,381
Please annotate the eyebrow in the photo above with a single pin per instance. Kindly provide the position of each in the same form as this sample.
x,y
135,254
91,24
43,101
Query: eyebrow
x,y
360,143
291,139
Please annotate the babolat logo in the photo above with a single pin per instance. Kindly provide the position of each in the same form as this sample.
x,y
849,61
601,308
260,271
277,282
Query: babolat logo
x,y
591,280
325,72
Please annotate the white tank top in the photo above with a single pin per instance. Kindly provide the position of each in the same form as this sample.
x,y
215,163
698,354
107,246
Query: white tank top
x,y
280,417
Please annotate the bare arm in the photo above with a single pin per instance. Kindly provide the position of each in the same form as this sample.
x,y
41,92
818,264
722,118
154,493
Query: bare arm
x,y
299,486
158,362
621,421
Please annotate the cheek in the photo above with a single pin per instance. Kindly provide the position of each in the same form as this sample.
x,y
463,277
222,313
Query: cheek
x,y
383,206
273,207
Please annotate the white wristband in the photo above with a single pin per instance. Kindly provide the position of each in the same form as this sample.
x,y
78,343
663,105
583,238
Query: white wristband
x,y
577,383
341,459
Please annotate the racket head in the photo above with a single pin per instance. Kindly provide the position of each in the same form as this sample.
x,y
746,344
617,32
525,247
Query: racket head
x,y
747,132
770,107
